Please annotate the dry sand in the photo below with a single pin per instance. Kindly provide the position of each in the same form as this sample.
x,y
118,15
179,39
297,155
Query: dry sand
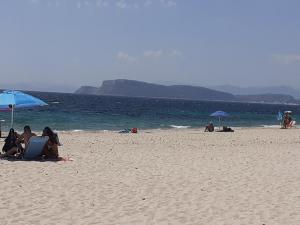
x,y
251,176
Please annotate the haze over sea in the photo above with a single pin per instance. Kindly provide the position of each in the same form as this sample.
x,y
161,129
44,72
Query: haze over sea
x,y
67,112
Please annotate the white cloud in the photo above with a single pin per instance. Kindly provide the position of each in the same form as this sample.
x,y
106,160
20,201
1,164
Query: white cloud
x,y
286,58
148,3
176,53
149,54
122,4
57,3
102,3
125,57
153,53
34,1
169,3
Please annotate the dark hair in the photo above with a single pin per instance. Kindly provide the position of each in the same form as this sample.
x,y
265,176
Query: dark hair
x,y
11,131
27,128
11,135
52,136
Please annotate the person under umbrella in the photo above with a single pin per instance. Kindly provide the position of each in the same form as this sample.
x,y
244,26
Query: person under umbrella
x,y
219,114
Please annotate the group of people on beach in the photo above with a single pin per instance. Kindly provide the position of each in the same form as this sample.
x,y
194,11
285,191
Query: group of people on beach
x,y
211,128
16,144
288,121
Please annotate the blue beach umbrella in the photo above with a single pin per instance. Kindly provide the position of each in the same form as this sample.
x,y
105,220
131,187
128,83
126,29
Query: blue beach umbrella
x,y
11,100
219,114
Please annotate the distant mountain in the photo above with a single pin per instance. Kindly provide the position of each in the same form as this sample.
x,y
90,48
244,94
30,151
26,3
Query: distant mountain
x,y
132,88
87,90
268,98
284,90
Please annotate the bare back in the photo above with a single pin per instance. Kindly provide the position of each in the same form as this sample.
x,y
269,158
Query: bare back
x,y
26,136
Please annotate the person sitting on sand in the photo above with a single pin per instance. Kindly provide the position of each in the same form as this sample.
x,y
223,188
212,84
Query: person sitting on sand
x,y
209,128
50,150
27,134
286,121
11,141
290,121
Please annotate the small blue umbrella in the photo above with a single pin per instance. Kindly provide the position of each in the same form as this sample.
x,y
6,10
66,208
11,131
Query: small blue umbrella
x,y
10,100
219,114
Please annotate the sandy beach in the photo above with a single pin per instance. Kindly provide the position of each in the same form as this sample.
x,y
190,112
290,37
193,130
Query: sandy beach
x,y
179,176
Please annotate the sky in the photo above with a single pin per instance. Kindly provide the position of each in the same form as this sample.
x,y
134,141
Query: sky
x,y
59,45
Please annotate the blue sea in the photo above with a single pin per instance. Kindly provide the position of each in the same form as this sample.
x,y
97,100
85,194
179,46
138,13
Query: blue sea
x,y
71,112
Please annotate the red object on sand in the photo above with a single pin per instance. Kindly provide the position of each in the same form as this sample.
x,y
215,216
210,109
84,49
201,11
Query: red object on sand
x,y
134,130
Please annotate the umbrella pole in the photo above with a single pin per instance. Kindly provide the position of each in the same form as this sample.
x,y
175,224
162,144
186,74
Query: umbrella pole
x,y
12,117
219,123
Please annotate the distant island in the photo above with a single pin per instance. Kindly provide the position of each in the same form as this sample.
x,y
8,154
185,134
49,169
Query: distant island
x,y
286,90
133,88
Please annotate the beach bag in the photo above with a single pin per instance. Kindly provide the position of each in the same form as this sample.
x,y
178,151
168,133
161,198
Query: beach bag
x,y
134,130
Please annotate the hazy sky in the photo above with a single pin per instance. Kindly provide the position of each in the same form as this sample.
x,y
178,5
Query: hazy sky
x,y
68,43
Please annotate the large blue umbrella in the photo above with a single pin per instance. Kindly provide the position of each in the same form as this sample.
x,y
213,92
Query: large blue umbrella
x,y
219,114
10,100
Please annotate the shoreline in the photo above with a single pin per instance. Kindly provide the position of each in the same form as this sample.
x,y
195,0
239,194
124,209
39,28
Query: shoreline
x,y
183,128
274,126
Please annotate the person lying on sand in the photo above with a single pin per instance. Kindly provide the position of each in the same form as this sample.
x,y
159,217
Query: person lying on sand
x,y
226,129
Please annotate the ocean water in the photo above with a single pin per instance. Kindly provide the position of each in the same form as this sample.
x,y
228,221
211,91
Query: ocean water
x,y
73,112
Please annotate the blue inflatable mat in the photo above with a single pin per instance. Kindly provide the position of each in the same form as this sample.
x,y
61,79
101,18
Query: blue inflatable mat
x,y
35,147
